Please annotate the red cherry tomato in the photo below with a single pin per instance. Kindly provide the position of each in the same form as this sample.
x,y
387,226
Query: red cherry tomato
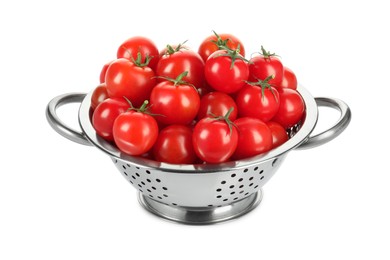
x,y
260,102
289,79
292,108
217,104
254,137
105,114
265,65
174,145
176,61
124,78
99,95
135,132
129,50
226,72
174,102
214,140
279,134
214,42
102,76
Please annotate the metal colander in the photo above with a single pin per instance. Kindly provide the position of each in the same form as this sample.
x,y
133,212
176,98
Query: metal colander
x,y
203,193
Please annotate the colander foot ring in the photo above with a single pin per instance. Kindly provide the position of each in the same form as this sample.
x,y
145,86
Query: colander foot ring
x,y
201,215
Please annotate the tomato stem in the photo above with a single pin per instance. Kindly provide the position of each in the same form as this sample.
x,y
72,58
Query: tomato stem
x,y
226,119
233,54
138,62
170,50
264,84
267,54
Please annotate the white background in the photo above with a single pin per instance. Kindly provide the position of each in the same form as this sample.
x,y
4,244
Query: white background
x,y
62,200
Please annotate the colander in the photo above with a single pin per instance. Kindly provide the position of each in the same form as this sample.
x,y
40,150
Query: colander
x,y
201,193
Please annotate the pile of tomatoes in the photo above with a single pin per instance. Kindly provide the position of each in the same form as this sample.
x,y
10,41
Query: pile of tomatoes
x,y
181,106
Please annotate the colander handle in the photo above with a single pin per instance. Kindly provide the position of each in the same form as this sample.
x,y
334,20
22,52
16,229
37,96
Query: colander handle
x,y
336,129
57,124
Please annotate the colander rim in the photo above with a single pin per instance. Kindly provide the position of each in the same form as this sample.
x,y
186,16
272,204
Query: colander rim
x,y
306,128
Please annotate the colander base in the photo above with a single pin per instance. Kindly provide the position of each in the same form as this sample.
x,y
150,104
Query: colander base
x,y
201,215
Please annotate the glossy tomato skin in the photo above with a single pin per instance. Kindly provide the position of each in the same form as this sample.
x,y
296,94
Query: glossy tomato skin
x,y
252,101
99,94
174,104
221,76
292,108
208,45
289,79
214,141
254,138
217,104
105,114
135,132
261,67
174,145
279,134
172,65
124,78
129,50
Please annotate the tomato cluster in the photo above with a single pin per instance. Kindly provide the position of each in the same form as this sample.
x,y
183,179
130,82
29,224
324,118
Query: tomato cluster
x,y
183,106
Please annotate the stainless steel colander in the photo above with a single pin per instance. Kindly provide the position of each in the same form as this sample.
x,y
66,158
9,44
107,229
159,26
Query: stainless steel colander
x,y
206,193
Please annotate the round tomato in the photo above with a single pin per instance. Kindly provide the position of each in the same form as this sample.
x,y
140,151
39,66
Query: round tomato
x,y
279,134
174,145
254,137
217,104
99,95
265,65
258,101
130,48
226,71
135,132
292,108
126,79
174,102
214,140
102,76
214,42
289,79
177,60
105,114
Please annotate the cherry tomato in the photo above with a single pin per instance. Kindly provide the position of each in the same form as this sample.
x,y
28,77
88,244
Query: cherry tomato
x,y
256,101
99,95
174,145
265,65
214,140
289,79
130,48
105,114
217,104
291,108
124,78
135,132
214,42
226,71
279,134
102,76
175,61
254,137
174,102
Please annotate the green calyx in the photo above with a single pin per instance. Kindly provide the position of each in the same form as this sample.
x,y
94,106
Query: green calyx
x,y
178,80
171,50
267,54
263,84
226,119
138,62
143,109
220,42
233,54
